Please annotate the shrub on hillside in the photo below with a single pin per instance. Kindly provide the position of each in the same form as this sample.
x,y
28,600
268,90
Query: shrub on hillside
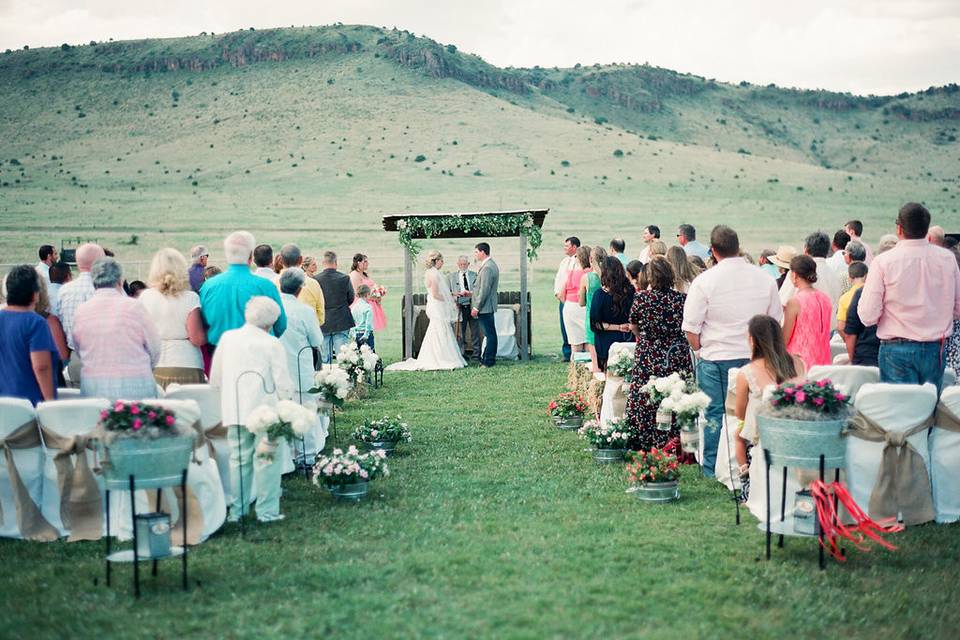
x,y
618,153
420,158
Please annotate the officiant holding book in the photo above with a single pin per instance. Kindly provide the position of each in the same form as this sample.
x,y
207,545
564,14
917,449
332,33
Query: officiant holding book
x,y
462,284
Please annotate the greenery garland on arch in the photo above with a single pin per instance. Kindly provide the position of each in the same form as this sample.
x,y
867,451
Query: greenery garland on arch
x,y
493,226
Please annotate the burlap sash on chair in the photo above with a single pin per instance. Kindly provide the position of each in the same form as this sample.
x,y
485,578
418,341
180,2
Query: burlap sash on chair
x,y
731,402
30,521
946,419
618,398
903,485
81,508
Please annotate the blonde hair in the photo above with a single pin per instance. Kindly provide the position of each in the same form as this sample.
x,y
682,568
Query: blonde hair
x,y
168,272
597,255
683,270
309,261
658,248
43,298
432,256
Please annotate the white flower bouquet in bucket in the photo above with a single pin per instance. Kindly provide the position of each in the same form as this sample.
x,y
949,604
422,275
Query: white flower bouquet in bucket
x,y
609,438
385,433
620,360
285,420
358,362
686,405
332,385
346,473
658,390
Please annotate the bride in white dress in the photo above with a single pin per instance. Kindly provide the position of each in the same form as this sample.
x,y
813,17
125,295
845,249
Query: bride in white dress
x,y
439,349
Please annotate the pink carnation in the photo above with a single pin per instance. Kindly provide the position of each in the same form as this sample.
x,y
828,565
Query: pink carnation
x,y
137,424
801,396
170,420
104,414
840,397
818,401
152,414
822,383
118,406
788,391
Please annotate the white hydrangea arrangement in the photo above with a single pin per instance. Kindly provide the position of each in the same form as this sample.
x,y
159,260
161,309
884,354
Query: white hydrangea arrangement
x,y
357,361
678,396
609,434
332,384
620,359
286,419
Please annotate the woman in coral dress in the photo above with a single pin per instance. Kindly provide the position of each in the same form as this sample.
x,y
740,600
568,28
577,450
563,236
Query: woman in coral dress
x,y
806,316
358,276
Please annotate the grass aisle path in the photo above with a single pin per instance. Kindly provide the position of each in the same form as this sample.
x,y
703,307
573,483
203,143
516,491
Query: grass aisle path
x,y
492,524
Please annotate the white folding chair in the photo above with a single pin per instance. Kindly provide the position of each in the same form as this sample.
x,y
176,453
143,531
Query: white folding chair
x,y
68,393
945,462
949,377
837,346
203,477
15,412
65,418
896,408
208,399
841,358
726,451
848,378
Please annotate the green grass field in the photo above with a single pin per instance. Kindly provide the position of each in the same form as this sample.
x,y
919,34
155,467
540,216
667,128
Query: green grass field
x,y
492,524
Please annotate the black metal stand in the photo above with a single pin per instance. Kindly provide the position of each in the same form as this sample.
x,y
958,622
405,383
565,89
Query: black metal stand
x,y
783,509
136,547
303,439
378,375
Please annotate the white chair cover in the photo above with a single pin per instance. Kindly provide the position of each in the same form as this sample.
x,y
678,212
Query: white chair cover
x,y
203,477
841,358
208,399
848,378
945,463
895,407
949,377
68,418
837,346
726,451
15,412
506,335
68,393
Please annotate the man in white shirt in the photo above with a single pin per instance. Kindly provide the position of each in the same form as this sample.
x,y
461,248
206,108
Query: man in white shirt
x,y
836,260
687,237
263,259
719,306
816,246
59,276
568,264
48,256
854,229
650,233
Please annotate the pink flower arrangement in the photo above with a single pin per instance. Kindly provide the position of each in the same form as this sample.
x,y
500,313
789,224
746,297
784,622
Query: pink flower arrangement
x,y
820,396
137,418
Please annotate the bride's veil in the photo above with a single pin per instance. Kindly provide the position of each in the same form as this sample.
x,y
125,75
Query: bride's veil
x,y
433,274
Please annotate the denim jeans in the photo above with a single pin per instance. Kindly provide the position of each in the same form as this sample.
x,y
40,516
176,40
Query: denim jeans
x,y
332,343
712,376
489,328
912,363
563,332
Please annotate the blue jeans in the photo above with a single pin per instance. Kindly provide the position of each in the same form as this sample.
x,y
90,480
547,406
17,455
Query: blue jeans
x,y
712,376
563,332
912,363
489,328
332,343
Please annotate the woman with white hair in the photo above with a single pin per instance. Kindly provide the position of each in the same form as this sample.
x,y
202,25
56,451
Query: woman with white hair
x,y
439,349
300,340
175,310
118,343
250,369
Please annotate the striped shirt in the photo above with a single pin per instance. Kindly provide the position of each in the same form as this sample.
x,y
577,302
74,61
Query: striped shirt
x,y
115,337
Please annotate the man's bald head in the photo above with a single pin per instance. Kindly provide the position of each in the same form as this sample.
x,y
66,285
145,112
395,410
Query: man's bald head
x,y
936,235
87,254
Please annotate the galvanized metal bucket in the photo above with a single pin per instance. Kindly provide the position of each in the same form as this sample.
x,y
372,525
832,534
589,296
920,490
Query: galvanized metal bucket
x,y
606,456
350,492
154,463
387,447
569,423
800,443
658,491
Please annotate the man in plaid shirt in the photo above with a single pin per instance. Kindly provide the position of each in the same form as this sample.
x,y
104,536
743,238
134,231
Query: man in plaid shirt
x,y
72,295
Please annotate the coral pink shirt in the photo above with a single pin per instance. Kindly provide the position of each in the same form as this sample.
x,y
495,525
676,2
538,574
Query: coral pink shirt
x,y
912,292
811,332
571,292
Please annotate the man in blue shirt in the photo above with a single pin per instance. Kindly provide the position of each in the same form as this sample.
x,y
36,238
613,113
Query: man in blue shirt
x,y
223,298
687,237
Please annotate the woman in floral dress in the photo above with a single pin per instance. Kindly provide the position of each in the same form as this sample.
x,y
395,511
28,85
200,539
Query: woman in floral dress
x,y
661,350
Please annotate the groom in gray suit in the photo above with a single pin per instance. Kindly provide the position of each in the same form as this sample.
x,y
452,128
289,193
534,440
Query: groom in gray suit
x,y
462,283
485,301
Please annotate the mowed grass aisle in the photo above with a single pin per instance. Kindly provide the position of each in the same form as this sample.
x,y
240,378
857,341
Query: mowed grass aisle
x,y
492,524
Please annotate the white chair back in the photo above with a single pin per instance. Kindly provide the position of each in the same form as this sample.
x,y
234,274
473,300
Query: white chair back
x,y
896,408
837,346
15,412
727,429
949,377
206,397
841,358
68,393
945,462
848,378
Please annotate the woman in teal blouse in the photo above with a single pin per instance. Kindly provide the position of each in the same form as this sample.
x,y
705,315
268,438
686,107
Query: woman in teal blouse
x,y
589,284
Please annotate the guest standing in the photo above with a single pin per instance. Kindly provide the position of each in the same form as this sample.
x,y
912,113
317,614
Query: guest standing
x,y
359,276
72,295
223,298
687,237
836,260
610,310
42,309
683,270
362,312
175,310
716,313
854,229
650,233
863,346
573,314
310,294
807,315
263,260
568,264
117,341
617,248
857,275
635,275
337,298
462,283
912,294
816,246
655,320
48,257
239,351
28,355
199,256
589,284
485,301
59,275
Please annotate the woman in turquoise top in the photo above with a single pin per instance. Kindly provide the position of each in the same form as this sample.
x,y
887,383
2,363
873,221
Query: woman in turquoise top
x,y
589,284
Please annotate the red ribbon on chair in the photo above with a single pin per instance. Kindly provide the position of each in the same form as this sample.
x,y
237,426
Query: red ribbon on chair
x,y
860,533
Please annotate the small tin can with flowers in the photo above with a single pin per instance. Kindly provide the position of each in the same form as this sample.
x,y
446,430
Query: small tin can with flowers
x,y
609,439
655,476
567,410
385,433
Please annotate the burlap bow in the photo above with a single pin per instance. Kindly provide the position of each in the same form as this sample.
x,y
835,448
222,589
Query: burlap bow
x,y
902,485
946,419
81,508
731,402
30,521
618,398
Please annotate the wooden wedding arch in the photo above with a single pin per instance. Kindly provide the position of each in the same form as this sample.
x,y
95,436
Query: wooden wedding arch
x,y
461,228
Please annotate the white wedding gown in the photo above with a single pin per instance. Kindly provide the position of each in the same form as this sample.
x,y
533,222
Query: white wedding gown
x,y
439,349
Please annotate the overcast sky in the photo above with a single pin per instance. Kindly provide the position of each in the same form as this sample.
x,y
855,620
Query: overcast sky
x,y
863,46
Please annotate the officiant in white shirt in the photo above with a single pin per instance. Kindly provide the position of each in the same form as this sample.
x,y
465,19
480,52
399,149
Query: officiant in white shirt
x,y
462,282
568,264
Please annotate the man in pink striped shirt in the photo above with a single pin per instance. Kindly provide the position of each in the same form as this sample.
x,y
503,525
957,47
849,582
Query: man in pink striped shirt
x,y
912,294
